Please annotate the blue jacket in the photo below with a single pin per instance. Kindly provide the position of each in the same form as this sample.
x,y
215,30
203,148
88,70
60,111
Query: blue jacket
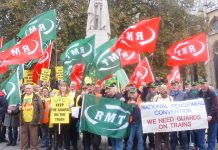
x,y
192,94
178,95
136,114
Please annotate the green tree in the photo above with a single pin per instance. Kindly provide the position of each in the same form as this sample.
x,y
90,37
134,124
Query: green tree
x,y
176,23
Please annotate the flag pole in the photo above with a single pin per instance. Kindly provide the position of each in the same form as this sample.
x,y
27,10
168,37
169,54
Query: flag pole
x,y
56,54
59,128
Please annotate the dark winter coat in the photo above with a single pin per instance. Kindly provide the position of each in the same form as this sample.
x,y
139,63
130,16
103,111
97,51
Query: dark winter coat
x,y
3,107
12,119
211,102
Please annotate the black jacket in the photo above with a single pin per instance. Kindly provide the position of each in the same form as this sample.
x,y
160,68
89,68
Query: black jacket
x,y
211,103
3,107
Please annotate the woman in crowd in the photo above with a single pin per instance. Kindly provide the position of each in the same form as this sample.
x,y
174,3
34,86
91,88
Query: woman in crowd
x,y
12,122
63,137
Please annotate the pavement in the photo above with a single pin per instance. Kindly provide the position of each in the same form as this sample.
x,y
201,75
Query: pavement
x,y
4,147
104,146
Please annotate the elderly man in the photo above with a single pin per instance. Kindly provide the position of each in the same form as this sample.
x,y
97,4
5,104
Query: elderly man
x,y
31,116
163,96
178,95
211,102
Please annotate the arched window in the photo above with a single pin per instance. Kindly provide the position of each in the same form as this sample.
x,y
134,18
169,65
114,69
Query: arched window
x,y
215,26
215,50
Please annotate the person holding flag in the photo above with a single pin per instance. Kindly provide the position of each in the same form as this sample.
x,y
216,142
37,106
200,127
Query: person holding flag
x,y
90,138
31,117
135,121
117,143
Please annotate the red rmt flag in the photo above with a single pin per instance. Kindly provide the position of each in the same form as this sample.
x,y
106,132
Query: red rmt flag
x,y
3,69
27,49
1,42
142,73
44,62
188,51
77,75
174,75
128,57
140,37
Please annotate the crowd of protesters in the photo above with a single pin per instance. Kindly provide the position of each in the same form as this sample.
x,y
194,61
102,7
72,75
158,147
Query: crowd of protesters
x,y
32,117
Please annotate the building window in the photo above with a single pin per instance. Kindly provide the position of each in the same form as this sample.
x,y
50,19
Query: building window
x,y
215,25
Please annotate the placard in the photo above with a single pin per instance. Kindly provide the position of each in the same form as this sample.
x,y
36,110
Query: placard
x,y
173,116
45,74
59,110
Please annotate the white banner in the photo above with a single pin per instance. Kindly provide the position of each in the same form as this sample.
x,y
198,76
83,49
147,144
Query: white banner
x,y
173,116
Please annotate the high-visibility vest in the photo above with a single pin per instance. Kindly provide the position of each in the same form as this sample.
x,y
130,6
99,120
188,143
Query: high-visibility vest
x,y
77,101
46,110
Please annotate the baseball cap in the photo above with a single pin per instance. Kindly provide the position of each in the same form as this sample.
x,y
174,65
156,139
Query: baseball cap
x,y
187,82
132,90
153,85
194,83
203,81
173,82
112,85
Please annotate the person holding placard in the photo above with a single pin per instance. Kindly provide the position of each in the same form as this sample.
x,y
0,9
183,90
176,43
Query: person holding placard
x,y
163,96
60,108
191,94
211,102
181,136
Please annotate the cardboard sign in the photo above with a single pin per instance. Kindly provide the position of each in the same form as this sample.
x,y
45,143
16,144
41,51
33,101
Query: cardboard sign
x,y
28,77
59,72
59,110
173,116
45,74
75,112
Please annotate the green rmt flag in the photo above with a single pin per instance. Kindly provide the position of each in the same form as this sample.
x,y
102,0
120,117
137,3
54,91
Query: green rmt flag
x,y
106,62
45,22
105,116
8,45
20,69
12,89
80,51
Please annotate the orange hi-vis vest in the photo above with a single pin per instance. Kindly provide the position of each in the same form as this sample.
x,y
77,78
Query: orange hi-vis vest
x,y
47,102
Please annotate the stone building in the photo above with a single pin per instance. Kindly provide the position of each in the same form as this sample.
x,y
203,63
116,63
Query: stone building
x,y
212,37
